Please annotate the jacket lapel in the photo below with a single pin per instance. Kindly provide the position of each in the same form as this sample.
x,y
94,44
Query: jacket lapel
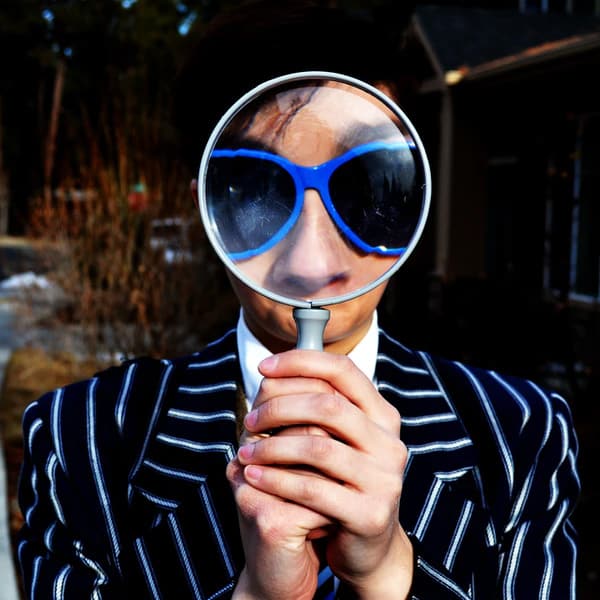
x,y
442,504
181,501
182,505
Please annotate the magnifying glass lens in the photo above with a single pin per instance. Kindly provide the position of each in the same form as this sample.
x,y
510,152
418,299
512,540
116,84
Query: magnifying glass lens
x,y
314,188
373,194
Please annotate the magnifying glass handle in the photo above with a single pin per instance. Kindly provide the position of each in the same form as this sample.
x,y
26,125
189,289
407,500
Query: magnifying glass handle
x,y
310,323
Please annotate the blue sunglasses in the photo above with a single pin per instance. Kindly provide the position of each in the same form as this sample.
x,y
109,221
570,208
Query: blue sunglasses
x,y
374,194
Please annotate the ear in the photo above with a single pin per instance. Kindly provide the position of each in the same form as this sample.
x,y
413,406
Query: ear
x,y
194,190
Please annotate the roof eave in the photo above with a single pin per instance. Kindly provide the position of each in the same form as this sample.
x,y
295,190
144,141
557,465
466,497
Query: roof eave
x,y
531,57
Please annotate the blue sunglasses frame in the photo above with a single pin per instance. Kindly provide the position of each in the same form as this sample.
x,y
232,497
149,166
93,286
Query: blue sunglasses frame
x,y
317,178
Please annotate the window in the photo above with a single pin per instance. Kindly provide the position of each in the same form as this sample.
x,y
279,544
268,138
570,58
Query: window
x,y
582,7
585,240
572,234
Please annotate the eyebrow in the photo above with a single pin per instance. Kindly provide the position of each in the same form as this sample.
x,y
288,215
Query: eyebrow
x,y
354,135
362,134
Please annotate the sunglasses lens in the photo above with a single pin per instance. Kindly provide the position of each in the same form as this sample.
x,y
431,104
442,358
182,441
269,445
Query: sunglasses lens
x,y
379,195
250,201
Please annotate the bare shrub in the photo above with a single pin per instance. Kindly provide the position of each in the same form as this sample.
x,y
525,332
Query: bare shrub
x,y
127,289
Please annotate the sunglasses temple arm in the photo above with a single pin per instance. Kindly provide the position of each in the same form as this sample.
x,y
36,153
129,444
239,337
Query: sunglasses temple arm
x,y
310,323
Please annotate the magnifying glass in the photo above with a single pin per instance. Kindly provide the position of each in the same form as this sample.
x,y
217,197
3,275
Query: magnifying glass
x,y
314,188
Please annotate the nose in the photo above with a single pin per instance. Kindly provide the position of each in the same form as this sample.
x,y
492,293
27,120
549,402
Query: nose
x,y
313,260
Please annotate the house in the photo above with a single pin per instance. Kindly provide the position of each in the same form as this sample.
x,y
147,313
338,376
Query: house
x,y
509,111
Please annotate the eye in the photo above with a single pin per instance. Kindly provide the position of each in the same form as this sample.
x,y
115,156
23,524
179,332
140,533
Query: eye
x,y
249,199
376,195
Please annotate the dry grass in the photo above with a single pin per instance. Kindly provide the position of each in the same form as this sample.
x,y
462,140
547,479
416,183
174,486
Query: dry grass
x,y
126,173
31,372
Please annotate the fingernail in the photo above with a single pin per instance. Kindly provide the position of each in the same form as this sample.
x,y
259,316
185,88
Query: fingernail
x,y
250,419
246,451
253,472
269,363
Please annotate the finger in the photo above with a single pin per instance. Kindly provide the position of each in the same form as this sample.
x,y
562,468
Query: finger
x,y
354,511
330,458
294,430
286,386
333,413
319,452
268,510
247,437
270,388
336,369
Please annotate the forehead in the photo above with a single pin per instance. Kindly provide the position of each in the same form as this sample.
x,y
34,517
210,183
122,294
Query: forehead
x,y
329,112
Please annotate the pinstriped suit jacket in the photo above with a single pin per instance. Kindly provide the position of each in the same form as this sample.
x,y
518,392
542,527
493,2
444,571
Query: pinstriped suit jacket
x,y
124,494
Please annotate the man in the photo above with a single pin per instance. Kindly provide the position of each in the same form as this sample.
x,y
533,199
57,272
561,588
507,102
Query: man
x,y
369,470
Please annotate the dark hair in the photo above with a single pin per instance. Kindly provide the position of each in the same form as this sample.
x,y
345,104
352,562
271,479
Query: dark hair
x,y
256,40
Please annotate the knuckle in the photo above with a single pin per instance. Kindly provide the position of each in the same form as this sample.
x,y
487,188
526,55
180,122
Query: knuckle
x,y
272,525
266,387
396,489
378,518
269,411
319,447
329,405
400,453
342,363
267,527
325,386
307,489
395,418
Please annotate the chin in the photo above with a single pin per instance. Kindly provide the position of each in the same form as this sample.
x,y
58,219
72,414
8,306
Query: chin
x,y
282,329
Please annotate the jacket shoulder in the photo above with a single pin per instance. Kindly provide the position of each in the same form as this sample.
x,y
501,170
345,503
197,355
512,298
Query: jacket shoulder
x,y
116,405
514,421
511,400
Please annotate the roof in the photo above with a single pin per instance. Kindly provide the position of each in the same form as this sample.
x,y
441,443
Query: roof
x,y
481,40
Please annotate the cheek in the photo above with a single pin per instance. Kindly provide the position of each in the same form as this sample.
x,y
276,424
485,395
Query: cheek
x,y
265,315
256,268
369,268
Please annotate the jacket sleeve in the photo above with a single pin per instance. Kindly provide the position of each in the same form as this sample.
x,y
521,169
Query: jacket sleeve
x,y
530,487
62,547
82,444
537,542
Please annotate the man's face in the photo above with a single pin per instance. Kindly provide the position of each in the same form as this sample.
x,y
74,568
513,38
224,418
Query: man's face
x,y
314,254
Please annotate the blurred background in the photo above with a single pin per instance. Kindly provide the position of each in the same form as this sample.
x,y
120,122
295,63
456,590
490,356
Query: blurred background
x,y
102,255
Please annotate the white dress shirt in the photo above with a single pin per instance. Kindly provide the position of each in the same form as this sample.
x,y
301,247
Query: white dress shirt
x,y
252,352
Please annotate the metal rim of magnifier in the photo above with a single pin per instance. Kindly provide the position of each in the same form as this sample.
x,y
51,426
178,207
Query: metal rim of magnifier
x,y
226,119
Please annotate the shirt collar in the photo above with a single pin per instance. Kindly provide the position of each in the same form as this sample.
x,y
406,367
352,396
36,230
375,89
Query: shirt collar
x,y
252,352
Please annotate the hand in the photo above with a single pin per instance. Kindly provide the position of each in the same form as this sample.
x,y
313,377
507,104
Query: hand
x,y
279,537
354,476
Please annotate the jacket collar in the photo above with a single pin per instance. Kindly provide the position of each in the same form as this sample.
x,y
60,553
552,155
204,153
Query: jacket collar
x,y
200,418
